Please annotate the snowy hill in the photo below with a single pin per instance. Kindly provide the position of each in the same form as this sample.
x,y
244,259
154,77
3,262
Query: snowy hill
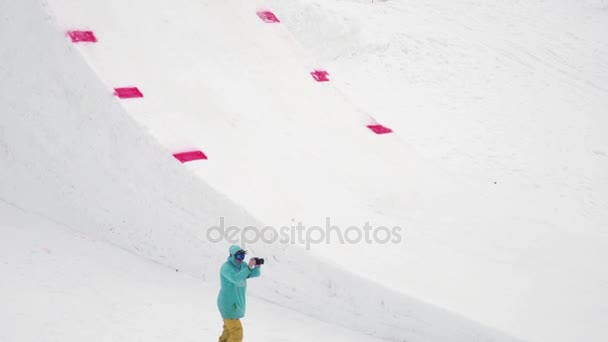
x,y
496,170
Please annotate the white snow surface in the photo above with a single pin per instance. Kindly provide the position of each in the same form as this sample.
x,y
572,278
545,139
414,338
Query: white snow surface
x,y
497,170
68,287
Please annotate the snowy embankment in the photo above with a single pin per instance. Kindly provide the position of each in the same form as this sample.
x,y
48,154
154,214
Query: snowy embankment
x,y
60,285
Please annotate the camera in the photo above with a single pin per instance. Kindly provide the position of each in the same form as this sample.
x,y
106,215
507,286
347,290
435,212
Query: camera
x,y
259,261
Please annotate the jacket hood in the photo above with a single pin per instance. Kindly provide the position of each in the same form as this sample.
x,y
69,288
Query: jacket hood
x,y
233,249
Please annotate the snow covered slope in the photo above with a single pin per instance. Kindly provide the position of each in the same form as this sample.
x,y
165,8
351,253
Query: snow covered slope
x,y
81,180
497,166
60,286
475,174
512,95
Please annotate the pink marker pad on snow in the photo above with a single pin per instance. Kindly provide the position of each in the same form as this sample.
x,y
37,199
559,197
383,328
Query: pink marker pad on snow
x,y
268,17
190,156
128,92
320,75
82,36
379,129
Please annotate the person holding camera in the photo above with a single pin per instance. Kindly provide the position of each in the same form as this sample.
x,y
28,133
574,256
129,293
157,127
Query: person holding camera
x,y
231,300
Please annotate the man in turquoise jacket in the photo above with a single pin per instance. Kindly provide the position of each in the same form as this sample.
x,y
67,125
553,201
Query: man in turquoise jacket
x,y
231,300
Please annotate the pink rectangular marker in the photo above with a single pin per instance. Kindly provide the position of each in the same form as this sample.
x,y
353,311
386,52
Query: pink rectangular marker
x,y
82,36
128,92
268,17
320,75
190,156
379,129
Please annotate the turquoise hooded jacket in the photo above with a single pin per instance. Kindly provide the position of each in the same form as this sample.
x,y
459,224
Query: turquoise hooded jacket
x,y
231,300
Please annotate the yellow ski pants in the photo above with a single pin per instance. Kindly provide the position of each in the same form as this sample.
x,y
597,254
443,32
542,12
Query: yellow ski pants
x,y
233,331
